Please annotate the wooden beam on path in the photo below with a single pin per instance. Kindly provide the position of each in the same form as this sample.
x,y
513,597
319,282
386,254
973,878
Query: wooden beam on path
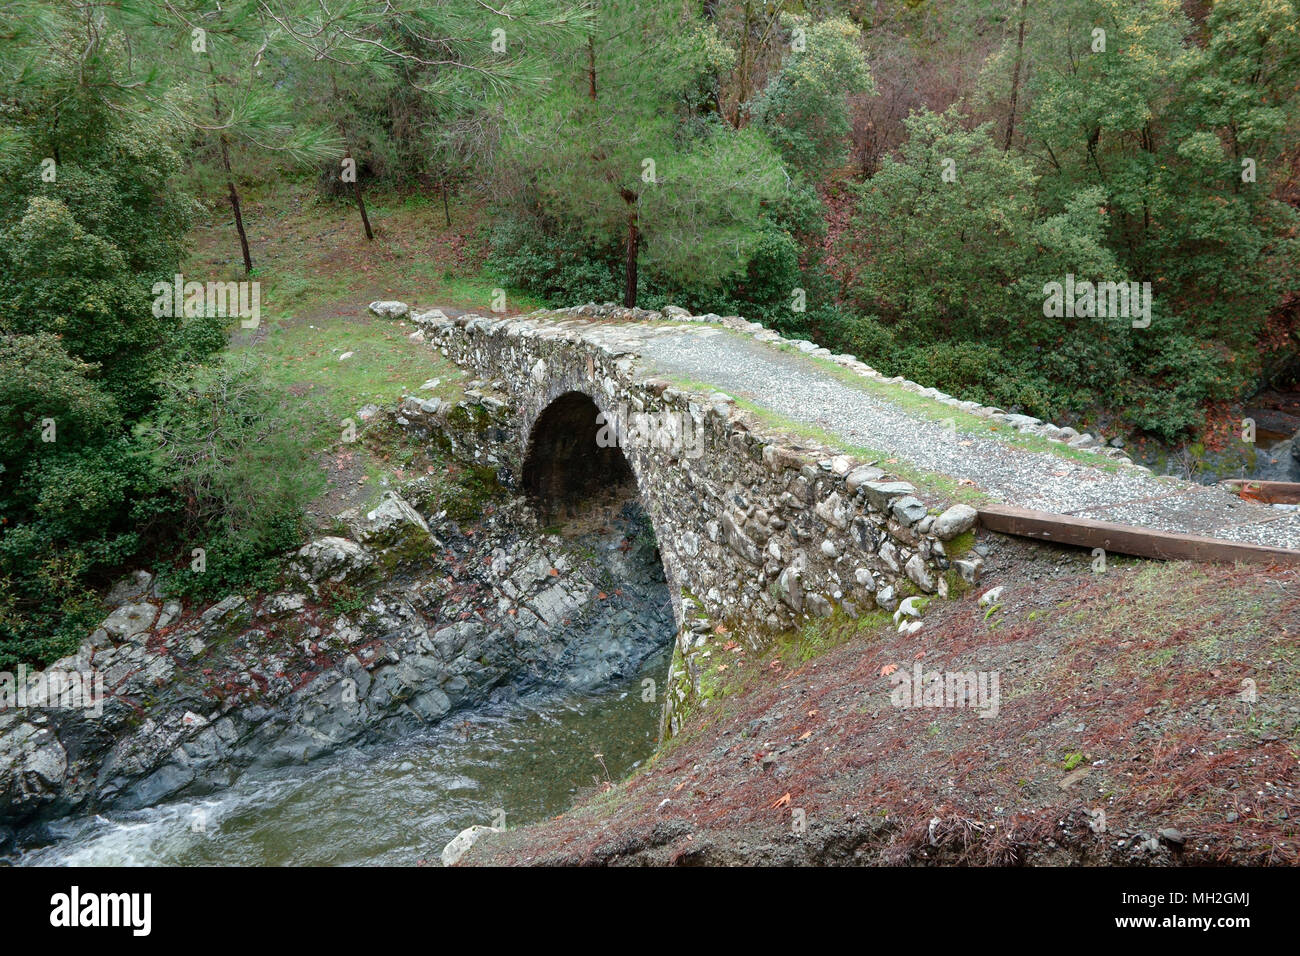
x,y
1269,492
1127,538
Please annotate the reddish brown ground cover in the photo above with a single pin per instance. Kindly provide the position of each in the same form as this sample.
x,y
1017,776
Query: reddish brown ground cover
x,y
1122,736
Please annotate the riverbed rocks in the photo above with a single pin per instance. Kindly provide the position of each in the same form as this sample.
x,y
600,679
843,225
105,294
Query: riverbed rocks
x,y
392,520
130,619
372,636
330,560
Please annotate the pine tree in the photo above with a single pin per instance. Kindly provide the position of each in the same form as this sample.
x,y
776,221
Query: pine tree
x,y
615,150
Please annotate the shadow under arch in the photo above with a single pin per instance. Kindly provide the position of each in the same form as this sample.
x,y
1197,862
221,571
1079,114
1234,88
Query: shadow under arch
x,y
565,467
571,478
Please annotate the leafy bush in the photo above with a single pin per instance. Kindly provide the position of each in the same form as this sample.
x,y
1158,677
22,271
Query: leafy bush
x,y
223,442
57,277
969,369
804,108
953,265
40,383
539,256
861,335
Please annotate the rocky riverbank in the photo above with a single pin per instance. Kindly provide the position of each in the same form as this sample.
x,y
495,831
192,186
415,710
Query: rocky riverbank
x,y
402,618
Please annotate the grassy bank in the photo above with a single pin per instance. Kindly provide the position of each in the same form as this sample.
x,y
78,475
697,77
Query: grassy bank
x,y
316,340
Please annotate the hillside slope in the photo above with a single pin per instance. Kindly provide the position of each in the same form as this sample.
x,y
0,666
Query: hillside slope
x,y
1124,734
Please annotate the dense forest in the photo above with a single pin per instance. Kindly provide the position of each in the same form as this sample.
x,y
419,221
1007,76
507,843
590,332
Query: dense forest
x,y
899,179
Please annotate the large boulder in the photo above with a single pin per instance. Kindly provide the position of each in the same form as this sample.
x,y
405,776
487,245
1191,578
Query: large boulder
x,y
881,493
132,587
389,309
33,766
330,560
956,520
391,520
130,619
458,847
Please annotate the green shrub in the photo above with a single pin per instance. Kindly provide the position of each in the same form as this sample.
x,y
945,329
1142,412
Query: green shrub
x,y
969,369
861,335
57,277
537,256
41,383
225,444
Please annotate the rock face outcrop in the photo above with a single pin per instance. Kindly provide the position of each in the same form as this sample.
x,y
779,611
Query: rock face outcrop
x,y
755,532
406,620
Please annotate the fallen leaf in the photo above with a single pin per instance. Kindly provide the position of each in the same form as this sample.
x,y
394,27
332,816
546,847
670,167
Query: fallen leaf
x,y
888,669
780,802
805,735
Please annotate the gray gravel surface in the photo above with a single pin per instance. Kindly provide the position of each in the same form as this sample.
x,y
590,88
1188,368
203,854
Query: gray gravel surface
x,y
798,388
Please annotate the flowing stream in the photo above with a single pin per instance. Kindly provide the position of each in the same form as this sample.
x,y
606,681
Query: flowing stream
x,y
398,802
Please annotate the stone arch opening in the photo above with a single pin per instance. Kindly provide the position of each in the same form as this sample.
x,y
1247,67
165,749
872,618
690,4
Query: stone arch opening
x,y
566,468
590,492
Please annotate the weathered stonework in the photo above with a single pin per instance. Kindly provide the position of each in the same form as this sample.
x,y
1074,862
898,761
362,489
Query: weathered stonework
x,y
754,534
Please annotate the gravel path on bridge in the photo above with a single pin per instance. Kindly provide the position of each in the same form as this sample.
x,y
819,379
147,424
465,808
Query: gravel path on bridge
x,y
798,388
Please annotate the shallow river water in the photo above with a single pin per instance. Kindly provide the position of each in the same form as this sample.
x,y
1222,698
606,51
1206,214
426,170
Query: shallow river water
x,y
392,803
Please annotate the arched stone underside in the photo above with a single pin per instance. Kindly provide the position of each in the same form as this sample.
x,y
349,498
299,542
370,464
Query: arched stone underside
x,y
565,464
755,533
552,456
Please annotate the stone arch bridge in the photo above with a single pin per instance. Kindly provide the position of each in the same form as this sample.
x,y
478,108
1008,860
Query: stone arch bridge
x,y
754,533
764,520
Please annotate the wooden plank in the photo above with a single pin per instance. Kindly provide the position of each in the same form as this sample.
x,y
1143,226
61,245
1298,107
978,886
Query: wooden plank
x,y
1127,539
1269,492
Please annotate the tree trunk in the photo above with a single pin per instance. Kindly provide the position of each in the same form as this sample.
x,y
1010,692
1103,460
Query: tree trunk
x,y
1015,78
591,68
742,70
361,206
230,176
234,205
633,250
446,212
356,178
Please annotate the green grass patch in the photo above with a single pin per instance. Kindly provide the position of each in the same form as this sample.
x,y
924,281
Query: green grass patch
x,y
304,359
